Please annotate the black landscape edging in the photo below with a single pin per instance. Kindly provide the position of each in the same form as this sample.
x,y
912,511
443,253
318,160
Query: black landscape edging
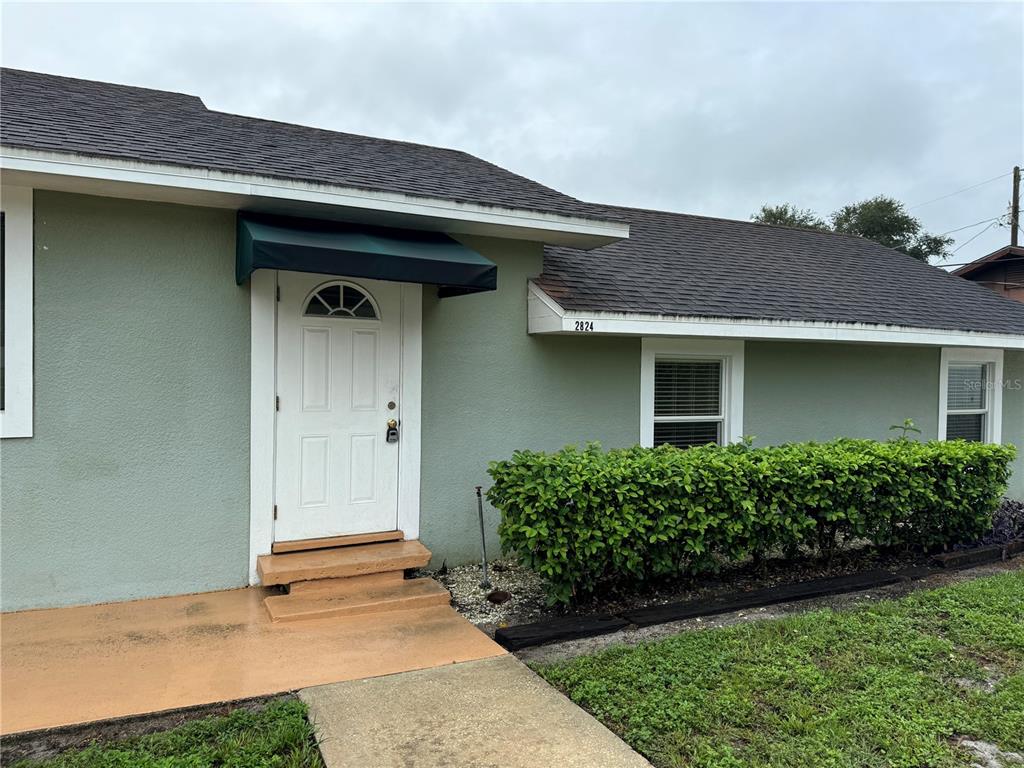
x,y
1013,548
783,593
563,628
965,558
575,627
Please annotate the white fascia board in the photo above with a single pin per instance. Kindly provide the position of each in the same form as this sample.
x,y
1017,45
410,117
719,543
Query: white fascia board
x,y
546,316
199,186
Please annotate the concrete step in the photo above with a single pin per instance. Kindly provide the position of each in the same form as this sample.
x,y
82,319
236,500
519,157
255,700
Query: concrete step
x,y
341,562
381,597
349,584
355,539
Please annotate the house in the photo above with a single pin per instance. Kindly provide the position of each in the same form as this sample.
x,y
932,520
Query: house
x,y
226,335
1002,271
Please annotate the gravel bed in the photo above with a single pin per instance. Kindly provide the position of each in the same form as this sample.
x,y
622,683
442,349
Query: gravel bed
x,y
470,599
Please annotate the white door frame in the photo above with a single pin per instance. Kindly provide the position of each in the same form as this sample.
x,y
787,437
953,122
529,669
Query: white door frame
x,y
263,415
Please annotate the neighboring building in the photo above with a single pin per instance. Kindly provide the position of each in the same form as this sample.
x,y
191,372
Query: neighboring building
x,y
1002,271
211,322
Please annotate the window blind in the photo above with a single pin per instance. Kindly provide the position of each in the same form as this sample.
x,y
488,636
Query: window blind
x,y
687,388
965,426
686,434
966,390
688,402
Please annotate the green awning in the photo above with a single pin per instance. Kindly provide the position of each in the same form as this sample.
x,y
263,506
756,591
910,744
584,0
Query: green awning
x,y
332,248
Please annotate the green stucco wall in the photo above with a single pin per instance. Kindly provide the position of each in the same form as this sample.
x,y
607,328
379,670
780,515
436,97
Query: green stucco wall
x,y
1013,415
489,388
136,480
816,391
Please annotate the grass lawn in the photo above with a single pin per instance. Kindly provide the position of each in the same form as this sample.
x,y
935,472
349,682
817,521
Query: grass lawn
x,y
277,736
888,684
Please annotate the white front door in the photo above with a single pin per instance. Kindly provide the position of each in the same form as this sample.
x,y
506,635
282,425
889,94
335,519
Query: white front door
x,y
339,352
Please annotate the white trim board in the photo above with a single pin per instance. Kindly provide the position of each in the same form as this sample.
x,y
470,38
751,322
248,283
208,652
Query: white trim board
x,y
16,420
546,316
990,357
198,186
731,355
263,413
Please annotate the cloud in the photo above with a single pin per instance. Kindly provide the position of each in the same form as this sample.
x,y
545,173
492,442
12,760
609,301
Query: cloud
x,y
706,108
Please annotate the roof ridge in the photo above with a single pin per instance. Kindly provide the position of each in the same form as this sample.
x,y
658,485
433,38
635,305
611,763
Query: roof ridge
x,y
256,120
125,86
859,238
403,142
740,221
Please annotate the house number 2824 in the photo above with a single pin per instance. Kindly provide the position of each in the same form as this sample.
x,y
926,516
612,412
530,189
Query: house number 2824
x,y
584,325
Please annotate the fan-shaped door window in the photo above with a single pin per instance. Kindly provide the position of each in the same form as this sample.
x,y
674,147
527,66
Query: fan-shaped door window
x,y
341,300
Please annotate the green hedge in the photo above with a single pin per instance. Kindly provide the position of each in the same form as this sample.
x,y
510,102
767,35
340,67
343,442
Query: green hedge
x,y
583,518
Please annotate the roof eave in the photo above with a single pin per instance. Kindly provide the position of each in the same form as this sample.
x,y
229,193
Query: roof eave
x,y
547,316
987,260
188,185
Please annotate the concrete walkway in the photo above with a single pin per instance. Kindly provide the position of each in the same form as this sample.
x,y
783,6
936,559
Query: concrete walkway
x,y
492,713
75,665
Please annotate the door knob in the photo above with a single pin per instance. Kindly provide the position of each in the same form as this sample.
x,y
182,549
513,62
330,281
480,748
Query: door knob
x,y
391,435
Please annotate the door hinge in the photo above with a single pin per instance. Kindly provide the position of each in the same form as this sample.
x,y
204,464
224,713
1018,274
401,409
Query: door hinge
x,y
277,402
279,293
275,511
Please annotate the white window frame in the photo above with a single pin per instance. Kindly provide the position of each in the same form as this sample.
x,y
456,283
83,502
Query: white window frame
x,y
16,417
993,358
728,351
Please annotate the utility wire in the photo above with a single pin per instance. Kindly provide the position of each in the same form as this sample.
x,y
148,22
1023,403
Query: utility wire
x,y
1003,260
968,226
973,237
965,189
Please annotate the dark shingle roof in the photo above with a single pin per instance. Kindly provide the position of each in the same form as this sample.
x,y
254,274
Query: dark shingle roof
x,y
672,264
682,265
62,114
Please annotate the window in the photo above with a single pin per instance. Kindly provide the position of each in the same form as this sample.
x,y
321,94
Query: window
x,y
16,311
691,392
970,395
341,300
688,402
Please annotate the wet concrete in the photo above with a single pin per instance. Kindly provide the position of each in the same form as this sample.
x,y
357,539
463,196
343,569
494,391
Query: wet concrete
x,y
494,713
73,665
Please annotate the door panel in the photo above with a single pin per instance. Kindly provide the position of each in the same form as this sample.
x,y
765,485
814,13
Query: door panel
x,y
338,374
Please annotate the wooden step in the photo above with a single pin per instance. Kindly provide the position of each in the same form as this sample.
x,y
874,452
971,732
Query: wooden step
x,y
341,562
395,596
303,545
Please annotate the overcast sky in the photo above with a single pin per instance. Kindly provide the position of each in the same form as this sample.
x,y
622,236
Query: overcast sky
x,y
703,108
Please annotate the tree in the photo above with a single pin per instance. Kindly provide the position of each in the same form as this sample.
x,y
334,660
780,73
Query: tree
x,y
882,219
789,216
886,221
